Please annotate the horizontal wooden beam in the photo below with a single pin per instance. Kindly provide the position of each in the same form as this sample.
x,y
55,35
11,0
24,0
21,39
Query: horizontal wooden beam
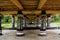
x,y
8,12
18,4
37,12
53,12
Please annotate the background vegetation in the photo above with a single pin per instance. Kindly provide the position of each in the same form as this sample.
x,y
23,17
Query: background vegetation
x,y
55,18
7,20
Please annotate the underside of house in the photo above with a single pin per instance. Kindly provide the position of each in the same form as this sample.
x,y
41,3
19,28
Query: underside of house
x,y
30,12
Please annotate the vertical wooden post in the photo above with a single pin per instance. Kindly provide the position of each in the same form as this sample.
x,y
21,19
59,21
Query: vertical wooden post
x,y
37,21
20,24
48,21
0,25
13,21
25,21
43,23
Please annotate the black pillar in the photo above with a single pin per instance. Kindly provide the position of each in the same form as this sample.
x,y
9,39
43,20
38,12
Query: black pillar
x,y
43,23
13,21
0,25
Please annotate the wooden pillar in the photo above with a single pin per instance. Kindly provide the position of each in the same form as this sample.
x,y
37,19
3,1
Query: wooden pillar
x,y
13,21
20,24
43,24
0,25
37,21
48,20
25,21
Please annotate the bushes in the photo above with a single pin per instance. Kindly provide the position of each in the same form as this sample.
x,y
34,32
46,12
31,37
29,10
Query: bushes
x,y
56,18
7,19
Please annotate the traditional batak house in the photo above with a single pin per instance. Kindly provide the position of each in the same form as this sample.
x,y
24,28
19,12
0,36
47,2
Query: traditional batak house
x,y
29,10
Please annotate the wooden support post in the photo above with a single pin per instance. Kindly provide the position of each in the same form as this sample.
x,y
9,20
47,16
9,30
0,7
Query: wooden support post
x,y
43,24
25,18
13,21
48,21
37,22
0,25
25,22
20,24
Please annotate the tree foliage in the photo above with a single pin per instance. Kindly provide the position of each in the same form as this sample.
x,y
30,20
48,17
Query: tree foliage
x,y
56,18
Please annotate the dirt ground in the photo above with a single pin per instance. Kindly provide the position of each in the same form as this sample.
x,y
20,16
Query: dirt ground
x,y
30,35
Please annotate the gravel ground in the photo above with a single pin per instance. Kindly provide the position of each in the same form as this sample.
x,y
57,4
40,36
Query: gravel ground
x,y
30,35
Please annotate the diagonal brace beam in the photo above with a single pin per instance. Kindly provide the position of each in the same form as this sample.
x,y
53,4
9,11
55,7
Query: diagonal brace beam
x,y
18,4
